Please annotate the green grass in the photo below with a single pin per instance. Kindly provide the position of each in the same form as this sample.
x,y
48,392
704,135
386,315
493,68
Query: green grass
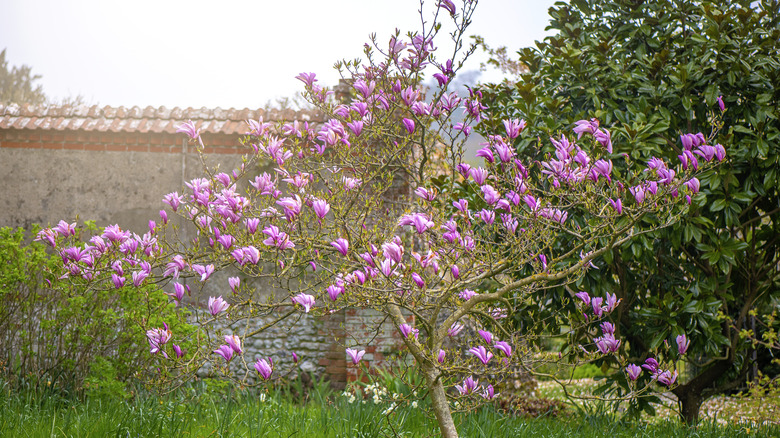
x,y
202,413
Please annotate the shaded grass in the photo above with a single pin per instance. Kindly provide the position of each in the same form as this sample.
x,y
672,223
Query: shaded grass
x,y
203,413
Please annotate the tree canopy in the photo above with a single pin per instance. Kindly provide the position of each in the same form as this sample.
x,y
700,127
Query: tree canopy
x,y
654,71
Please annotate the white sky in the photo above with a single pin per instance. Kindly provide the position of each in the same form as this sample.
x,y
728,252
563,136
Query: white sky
x,y
233,53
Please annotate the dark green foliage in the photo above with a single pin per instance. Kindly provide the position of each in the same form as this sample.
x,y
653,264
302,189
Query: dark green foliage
x,y
650,71
57,336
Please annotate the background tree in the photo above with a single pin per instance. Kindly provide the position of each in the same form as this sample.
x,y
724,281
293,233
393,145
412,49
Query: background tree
x,y
17,84
656,70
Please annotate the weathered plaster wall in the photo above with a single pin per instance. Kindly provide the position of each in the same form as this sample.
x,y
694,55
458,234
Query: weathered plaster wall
x,y
118,178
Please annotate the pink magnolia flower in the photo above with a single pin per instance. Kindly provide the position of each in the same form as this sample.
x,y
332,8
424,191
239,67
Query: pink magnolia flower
x,y
514,127
264,368
334,291
178,292
234,283
66,229
321,208
504,347
341,245
467,294
203,271
291,205
276,238
586,127
607,344
356,355
682,344
667,378
351,183
489,393
638,192
409,125
693,185
307,78
158,337
139,277
633,371
603,136
225,351
418,220
305,300
118,281
189,128
617,206
441,356
479,175
234,342
486,335
721,105
407,330
418,280
651,365
393,250
217,305
448,5
455,329
428,195
469,384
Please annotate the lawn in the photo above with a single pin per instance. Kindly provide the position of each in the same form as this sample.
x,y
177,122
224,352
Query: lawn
x,y
208,412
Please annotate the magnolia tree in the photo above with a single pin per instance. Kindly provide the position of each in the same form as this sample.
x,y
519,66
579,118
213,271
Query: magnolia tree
x,y
377,209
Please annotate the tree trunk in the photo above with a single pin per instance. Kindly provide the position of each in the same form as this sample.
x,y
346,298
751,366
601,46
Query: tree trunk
x,y
441,407
690,402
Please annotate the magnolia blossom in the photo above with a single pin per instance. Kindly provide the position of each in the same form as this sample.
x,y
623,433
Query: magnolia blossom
x,y
633,371
234,342
305,300
225,351
504,347
157,338
234,283
667,378
469,384
455,329
217,305
467,294
356,355
481,353
264,368
203,271
441,356
489,393
341,245
486,335
418,280
682,344
407,330
607,344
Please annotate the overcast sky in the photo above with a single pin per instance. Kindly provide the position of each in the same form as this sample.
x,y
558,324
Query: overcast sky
x,y
242,53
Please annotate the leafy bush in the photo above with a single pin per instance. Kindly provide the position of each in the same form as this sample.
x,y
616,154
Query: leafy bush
x,y
56,335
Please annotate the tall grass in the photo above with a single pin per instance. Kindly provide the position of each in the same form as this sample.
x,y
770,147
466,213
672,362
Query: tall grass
x,y
200,412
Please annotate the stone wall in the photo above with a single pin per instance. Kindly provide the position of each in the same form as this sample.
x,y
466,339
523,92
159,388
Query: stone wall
x,y
119,177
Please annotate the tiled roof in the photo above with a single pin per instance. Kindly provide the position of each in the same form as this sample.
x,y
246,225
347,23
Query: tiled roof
x,y
135,119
